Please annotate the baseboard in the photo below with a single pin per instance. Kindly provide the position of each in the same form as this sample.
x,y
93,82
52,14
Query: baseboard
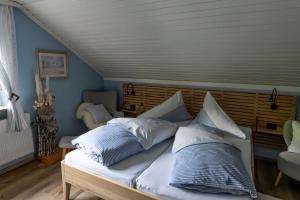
x,y
16,163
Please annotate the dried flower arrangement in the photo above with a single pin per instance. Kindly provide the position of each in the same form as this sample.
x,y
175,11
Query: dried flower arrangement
x,y
45,120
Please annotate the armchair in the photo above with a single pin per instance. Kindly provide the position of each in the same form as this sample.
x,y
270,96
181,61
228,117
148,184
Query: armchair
x,y
288,162
90,98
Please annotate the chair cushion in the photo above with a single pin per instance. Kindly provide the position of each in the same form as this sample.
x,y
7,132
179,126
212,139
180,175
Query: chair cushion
x,y
99,113
295,143
288,132
89,121
289,164
65,142
81,110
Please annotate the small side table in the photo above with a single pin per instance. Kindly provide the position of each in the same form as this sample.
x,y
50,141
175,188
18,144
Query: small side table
x,y
65,144
131,113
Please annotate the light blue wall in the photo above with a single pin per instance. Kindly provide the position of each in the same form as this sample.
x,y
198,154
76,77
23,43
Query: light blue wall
x,y
67,91
115,85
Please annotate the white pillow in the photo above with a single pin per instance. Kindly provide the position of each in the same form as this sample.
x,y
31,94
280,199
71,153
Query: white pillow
x,y
295,143
82,109
99,113
173,110
213,115
148,131
186,136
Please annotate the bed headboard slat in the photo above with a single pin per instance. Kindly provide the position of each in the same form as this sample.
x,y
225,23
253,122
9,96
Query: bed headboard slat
x,y
246,109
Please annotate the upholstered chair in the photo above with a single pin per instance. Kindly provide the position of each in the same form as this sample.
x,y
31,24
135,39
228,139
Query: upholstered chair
x,y
91,97
288,162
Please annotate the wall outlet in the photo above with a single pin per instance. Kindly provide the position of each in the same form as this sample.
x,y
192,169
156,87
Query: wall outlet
x,y
271,126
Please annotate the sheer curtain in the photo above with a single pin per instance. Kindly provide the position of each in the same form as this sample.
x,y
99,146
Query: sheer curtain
x,y
9,70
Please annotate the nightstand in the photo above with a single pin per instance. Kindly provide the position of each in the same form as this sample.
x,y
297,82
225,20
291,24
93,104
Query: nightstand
x,y
268,134
131,113
131,110
269,140
66,145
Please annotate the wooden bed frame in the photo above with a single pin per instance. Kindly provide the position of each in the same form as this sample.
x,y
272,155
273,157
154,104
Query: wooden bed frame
x,y
98,185
252,104
103,187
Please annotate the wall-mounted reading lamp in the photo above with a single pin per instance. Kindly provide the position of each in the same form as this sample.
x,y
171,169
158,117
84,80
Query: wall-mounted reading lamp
x,y
130,89
273,98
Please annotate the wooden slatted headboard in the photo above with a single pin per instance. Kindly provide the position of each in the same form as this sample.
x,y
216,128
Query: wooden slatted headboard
x,y
246,109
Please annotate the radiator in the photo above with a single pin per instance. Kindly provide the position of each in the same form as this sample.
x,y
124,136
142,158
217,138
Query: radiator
x,y
14,146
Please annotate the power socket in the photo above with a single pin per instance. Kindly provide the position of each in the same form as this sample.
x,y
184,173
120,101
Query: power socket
x,y
271,126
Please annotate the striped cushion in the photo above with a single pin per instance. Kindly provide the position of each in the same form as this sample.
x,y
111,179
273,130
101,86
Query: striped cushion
x,y
212,168
108,144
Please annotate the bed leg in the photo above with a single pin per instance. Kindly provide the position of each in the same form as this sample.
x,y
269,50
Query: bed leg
x,y
64,152
66,186
278,179
66,190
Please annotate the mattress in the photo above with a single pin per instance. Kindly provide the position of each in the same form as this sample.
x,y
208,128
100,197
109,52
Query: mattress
x,y
125,171
155,179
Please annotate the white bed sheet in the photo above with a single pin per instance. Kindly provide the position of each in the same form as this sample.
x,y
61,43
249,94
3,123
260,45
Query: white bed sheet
x,y
125,171
155,179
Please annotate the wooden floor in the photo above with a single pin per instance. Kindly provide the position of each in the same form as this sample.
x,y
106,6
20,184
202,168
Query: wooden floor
x,y
36,181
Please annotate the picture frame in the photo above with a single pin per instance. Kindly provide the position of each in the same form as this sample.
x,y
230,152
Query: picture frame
x,y
52,63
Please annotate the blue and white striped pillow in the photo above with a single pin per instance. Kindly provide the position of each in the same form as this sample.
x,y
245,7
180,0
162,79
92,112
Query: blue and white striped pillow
x,y
108,144
211,168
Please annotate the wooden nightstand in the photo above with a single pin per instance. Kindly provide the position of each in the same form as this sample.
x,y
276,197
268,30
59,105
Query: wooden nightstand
x,y
132,110
131,113
268,133
66,145
269,140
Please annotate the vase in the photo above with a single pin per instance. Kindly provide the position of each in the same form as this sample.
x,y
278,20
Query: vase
x,y
47,130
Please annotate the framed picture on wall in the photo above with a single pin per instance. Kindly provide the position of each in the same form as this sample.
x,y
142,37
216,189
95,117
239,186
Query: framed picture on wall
x,y
52,63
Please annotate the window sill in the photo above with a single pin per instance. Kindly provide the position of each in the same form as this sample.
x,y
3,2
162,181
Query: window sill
x,y
3,108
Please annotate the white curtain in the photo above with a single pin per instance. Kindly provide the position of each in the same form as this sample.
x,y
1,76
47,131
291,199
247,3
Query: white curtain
x,y
9,70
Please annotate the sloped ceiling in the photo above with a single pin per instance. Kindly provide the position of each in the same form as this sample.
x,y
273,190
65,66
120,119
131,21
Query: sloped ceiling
x,y
223,41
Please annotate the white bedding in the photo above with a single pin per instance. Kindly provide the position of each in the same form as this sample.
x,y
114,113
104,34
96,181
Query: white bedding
x,y
155,179
125,171
245,146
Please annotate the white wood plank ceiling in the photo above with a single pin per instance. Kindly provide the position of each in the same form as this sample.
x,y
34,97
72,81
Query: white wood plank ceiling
x,y
223,41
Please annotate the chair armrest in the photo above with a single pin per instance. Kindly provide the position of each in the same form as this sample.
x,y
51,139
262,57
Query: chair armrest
x,y
118,114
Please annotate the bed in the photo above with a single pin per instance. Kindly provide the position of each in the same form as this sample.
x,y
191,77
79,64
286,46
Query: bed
x,y
150,181
143,176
